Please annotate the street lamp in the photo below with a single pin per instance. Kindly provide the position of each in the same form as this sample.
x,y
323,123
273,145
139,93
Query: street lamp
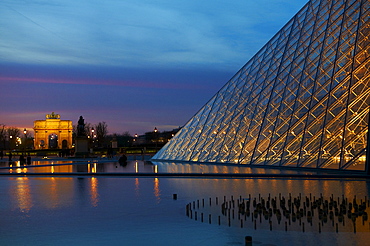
x,y
92,135
25,137
10,141
155,137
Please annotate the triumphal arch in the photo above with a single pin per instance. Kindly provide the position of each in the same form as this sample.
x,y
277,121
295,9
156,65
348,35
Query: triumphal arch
x,y
53,133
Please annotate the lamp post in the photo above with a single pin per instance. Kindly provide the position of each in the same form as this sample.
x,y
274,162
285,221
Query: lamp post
x,y
155,137
25,138
10,141
92,136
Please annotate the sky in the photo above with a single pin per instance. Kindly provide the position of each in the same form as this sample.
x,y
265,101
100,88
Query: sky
x,y
133,64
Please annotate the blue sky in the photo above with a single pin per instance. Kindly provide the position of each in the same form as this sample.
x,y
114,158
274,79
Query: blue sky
x,y
134,64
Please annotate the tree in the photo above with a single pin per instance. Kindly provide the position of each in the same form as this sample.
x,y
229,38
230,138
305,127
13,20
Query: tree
x,y
2,135
126,139
28,140
13,133
123,140
101,130
88,128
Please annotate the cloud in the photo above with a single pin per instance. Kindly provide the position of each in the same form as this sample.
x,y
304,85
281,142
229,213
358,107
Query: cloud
x,y
132,33
136,84
141,78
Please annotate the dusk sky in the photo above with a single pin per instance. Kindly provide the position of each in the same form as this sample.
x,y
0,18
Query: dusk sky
x,y
134,64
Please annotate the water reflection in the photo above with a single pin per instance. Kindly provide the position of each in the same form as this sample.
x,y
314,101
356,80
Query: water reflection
x,y
183,167
94,191
135,166
121,209
86,166
137,186
21,195
156,189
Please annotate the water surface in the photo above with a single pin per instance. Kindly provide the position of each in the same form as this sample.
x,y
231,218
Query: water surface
x,y
87,210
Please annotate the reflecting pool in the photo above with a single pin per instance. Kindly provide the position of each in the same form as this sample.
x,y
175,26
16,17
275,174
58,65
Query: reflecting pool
x,y
95,210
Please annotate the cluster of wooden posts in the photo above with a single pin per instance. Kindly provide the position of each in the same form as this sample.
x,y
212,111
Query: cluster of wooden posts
x,y
305,213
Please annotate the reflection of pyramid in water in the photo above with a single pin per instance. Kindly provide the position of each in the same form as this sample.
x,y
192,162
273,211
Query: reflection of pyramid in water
x,y
301,101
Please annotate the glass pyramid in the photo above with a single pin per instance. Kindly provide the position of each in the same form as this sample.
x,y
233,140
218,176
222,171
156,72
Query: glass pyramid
x,y
301,101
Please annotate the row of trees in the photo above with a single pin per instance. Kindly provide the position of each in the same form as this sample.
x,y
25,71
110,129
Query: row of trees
x,y
97,132
12,137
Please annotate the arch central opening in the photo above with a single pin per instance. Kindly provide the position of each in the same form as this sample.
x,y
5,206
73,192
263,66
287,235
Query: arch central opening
x,y
53,141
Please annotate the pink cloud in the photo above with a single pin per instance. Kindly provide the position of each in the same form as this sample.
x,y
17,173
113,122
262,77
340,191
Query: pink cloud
x,y
122,83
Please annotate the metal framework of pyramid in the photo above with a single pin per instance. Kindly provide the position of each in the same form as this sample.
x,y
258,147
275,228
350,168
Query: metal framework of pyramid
x,y
301,101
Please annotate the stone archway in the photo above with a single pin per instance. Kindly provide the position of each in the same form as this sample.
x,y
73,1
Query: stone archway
x,y
64,144
41,144
53,141
53,126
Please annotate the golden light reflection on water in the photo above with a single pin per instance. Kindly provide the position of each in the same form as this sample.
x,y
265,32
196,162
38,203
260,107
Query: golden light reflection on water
x,y
156,189
306,186
136,167
92,168
50,192
155,168
137,186
51,168
94,191
171,167
289,184
54,192
21,194
19,168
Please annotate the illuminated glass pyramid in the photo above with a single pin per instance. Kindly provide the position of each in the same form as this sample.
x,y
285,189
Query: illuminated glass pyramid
x,y
301,101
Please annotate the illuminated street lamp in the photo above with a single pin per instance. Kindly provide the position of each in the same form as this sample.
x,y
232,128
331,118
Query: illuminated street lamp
x,y
92,135
25,137
155,137
10,141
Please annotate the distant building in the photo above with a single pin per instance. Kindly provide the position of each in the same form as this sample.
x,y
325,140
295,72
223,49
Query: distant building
x,y
155,138
53,133
302,101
